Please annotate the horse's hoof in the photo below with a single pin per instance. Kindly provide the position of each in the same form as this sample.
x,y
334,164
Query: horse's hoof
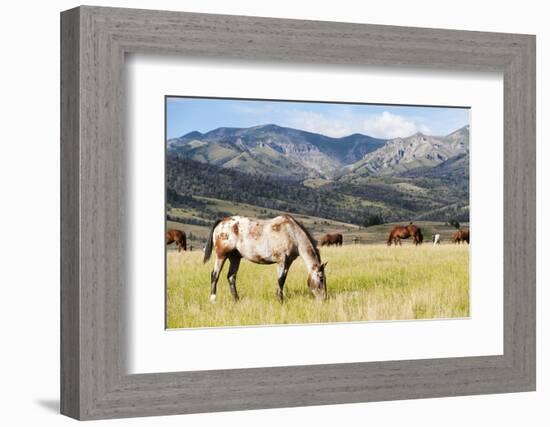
x,y
212,299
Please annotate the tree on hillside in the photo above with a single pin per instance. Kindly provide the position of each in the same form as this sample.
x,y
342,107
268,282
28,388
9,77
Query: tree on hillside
x,y
452,222
373,220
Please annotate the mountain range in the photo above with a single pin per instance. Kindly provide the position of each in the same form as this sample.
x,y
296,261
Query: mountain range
x,y
283,152
274,150
413,176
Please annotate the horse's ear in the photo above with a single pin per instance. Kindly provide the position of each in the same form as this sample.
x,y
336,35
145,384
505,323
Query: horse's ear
x,y
324,265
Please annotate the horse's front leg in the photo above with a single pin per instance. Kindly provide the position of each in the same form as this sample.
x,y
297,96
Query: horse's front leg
x,y
234,262
282,270
214,276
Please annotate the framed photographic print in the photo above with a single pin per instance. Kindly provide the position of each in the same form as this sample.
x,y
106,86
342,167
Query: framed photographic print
x,y
317,190
302,193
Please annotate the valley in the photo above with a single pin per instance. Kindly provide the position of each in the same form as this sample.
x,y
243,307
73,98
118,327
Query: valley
x,y
193,222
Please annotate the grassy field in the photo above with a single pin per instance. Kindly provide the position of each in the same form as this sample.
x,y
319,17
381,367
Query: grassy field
x,y
365,282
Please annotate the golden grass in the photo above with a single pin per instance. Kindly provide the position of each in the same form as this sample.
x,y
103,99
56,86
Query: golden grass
x,y
365,282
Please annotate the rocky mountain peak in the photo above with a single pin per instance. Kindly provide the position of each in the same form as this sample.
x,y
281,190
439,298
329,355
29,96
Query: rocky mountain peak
x,y
278,151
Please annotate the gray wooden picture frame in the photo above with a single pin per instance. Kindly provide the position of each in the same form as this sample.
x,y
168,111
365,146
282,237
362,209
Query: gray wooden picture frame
x,y
94,381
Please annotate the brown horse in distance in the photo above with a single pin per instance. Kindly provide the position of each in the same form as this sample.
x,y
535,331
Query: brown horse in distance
x,y
404,232
332,239
466,235
456,236
462,235
178,237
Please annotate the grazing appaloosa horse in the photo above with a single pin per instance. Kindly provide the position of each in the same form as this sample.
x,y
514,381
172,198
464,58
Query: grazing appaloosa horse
x,y
275,241
404,232
177,237
332,239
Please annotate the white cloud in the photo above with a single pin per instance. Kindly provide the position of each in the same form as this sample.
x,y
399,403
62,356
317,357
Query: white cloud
x,y
336,123
388,125
385,125
320,123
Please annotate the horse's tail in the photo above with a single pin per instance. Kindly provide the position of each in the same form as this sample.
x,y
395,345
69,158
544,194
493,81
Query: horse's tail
x,y
209,242
420,235
184,241
390,238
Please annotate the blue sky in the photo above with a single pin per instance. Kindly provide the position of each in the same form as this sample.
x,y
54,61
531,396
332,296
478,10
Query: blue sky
x,y
382,121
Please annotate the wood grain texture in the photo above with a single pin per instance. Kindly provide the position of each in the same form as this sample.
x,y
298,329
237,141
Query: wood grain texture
x,y
94,382
70,292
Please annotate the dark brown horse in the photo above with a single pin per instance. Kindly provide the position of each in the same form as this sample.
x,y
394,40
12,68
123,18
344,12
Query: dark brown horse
x,y
332,239
462,235
466,235
178,237
404,232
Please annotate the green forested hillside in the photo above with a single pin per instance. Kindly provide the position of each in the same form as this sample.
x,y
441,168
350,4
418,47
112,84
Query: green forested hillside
x,y
355,202
187,178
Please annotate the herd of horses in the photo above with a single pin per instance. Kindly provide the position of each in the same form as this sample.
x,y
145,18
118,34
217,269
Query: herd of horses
x,y
280,241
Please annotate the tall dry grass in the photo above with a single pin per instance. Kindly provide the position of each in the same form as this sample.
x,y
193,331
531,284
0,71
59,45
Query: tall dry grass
x,y
365,282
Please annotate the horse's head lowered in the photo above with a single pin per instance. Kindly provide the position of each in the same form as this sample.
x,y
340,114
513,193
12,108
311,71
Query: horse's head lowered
x,y
317,281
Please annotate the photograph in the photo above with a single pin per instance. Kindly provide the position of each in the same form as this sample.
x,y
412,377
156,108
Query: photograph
x,y
296,212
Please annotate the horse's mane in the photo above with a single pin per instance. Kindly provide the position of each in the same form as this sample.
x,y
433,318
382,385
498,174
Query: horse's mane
x,y
308,235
